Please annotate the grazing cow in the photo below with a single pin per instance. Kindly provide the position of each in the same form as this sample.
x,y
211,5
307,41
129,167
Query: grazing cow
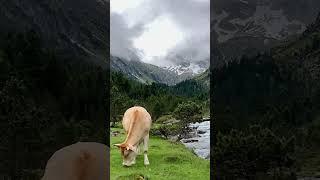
x,y
136,123
79,161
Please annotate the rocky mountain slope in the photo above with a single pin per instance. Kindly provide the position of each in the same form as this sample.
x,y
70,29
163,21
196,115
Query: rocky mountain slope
x,y
148,73
204,78
143,72
190,68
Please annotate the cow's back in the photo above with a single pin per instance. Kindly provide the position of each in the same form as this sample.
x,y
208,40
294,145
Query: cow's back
x,y
138,116
80,161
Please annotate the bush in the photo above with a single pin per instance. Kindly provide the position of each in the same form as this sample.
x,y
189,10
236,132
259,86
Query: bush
x,y
187,112
164,118
165,130
243,154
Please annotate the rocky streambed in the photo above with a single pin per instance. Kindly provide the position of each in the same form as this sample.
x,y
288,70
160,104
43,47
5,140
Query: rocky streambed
x,y
198,139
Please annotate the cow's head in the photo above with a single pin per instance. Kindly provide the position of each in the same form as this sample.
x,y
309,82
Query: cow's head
x,y
128,153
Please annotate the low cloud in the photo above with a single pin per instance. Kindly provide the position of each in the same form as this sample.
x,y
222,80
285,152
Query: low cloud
x,y
192,16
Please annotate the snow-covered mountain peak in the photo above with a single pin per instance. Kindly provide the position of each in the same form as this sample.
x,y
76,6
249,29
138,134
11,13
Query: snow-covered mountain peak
x,y
186,68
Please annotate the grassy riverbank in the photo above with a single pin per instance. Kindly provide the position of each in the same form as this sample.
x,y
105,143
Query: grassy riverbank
x,y
167,161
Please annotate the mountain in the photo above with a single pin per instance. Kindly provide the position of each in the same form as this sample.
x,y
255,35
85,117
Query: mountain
x,y
196,86
185,65
281,86
145,73
249,26
76,27
189,68
204,78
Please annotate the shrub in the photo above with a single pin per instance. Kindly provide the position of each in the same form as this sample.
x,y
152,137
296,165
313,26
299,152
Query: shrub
x,y
165,130
243,154
164,118
187,112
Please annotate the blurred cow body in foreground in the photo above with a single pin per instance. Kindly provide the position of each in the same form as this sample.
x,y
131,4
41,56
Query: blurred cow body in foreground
x,y
79,161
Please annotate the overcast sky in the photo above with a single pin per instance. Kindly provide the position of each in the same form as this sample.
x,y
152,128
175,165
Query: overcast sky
x,y
160,29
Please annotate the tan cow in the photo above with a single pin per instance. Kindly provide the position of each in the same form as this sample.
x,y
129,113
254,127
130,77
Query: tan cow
x,y
79,161
136,123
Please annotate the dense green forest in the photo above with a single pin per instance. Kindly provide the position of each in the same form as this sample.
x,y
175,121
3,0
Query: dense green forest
x,y
266,111
158,99
46,102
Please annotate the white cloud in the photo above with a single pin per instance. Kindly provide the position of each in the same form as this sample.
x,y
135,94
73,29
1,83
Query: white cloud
x,y
121,6
162,27
158,38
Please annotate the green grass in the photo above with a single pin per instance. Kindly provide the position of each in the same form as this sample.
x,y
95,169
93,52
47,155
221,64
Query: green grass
x,y
167,161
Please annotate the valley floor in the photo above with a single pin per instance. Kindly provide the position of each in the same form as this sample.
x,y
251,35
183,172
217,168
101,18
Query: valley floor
x,y
168,160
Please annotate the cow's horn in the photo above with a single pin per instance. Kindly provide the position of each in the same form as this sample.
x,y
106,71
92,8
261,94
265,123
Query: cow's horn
x,y
118,145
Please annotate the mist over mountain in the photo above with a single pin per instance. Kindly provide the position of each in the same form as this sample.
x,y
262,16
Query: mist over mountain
x,y
78,29
165,33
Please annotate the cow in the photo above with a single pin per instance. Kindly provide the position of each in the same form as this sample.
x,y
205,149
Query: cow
x,y
79,161
136,122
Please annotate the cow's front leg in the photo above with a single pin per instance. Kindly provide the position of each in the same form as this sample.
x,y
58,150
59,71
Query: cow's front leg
x,y
140,148
145,152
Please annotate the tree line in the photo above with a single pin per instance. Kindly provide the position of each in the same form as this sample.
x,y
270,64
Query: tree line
x,y
158,99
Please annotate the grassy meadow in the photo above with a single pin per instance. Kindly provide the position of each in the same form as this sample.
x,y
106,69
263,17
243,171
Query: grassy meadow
x,y
168,160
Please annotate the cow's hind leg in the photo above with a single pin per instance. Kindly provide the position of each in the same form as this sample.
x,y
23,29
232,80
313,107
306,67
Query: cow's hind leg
x,y
145,152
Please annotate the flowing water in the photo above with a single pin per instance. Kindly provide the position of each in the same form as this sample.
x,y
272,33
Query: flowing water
x,y
199,140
